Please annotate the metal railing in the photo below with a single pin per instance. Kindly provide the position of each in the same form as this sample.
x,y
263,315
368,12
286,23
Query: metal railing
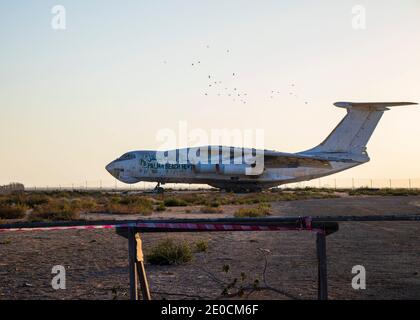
x,y
131,229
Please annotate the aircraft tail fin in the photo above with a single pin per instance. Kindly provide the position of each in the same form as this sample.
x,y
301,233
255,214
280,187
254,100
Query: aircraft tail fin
x,y
352,134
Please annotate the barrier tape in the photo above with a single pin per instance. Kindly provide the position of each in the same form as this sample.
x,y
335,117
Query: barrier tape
x,y
174,226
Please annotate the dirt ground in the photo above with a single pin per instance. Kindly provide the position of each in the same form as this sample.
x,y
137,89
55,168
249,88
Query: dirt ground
x,y
96,261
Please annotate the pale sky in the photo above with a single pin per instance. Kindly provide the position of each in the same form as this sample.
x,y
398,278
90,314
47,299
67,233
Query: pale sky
x,y
73,100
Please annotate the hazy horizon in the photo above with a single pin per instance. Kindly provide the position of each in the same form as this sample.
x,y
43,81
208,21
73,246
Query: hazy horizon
x,y
73,100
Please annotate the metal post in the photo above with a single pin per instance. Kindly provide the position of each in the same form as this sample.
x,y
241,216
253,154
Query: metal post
x,y
132,248
136,266
321,250
141,271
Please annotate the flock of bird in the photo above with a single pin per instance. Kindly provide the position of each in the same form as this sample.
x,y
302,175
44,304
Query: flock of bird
x,y
232,92
218,88
291,92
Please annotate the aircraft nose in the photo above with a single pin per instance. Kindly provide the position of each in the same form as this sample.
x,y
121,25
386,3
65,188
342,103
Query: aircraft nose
x,y
110,167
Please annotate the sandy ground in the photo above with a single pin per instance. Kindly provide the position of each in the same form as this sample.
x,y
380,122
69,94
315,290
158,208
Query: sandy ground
x,y
96,261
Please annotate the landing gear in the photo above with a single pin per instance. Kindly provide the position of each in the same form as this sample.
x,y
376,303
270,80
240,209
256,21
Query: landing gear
x,y
247,190
241,188
158,188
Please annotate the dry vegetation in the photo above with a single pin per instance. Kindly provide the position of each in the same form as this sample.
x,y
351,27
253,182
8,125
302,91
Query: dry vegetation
x,y
213,207
201,246
12,211
129,205
384,192
69,205
64,206
169,252
262,210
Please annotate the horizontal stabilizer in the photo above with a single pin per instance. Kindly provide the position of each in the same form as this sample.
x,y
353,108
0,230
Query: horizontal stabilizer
x,y
372,105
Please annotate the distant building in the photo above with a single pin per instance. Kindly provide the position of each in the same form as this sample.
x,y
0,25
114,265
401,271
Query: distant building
x,y
12,187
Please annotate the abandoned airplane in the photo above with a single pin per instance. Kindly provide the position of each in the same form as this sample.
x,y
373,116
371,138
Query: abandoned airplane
x,y
240,169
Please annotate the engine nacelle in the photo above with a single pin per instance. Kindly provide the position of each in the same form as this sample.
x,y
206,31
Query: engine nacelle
x,y
235,169
204,168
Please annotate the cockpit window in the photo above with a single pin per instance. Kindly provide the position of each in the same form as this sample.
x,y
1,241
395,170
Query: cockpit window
x,y
127,156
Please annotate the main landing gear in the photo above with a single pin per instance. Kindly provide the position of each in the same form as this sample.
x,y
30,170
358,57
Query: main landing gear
x,y
243,189
158,188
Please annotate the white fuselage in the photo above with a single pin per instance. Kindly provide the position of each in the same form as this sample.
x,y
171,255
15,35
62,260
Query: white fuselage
x,y
232,168
139,166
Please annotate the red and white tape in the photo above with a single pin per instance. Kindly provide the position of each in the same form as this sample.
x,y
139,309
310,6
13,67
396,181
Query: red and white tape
x,y
173,226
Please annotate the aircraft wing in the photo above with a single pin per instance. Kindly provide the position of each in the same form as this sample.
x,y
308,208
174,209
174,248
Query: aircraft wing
x,y
273,159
